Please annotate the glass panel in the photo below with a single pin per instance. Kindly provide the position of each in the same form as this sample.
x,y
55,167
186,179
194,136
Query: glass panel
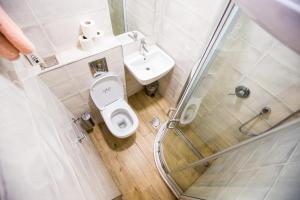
x,y
267,168
248,56
177,153
214,112
116,9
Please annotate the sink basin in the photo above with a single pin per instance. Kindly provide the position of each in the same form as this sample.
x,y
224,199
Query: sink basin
x,y
150,68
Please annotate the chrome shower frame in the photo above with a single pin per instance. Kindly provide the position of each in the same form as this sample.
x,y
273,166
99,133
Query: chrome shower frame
x,y
199,69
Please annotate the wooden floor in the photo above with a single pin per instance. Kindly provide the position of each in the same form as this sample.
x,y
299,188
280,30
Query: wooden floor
x,y
130,161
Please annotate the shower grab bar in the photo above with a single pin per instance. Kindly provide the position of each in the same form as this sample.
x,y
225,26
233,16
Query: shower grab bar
x,y
264,111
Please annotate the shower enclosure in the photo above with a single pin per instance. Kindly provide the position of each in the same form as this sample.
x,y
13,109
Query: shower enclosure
x,y
235,132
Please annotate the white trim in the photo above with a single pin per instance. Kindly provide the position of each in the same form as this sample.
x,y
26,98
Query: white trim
x,y
157,141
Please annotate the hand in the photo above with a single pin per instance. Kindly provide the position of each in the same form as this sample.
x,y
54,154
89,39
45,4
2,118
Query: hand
x,y
12,40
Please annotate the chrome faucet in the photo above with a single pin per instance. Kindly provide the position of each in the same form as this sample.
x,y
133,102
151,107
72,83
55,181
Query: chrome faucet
x,y
143,48
133,36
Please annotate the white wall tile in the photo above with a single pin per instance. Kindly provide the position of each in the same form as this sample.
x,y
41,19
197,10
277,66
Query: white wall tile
x,y
291,96
73,102
83,82
273,76
254,34
286,56
42,45
55,77
65,89
206,9
239,54
136,23
64,32
187,20
53,25
49,10
20,12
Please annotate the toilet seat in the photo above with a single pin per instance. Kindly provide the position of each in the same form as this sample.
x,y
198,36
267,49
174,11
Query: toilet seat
x,y
106,89
107,93
120,119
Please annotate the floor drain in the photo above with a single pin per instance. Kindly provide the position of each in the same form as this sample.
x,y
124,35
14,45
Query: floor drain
x,y
155,122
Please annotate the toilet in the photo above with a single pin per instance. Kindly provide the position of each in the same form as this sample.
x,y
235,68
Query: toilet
x,y
107,92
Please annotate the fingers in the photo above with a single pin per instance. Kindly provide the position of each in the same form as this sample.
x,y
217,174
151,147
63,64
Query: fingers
x,y
14,34
7,50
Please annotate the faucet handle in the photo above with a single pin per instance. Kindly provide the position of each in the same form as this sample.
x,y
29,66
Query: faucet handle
x,y
134,36
143,41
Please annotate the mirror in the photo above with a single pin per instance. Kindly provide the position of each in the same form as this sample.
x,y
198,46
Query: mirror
x,y
117,16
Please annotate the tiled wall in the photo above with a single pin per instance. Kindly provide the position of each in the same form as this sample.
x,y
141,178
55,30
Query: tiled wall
x,y
180,28
141,16
251,57
40,155
71,83
53,25
266,169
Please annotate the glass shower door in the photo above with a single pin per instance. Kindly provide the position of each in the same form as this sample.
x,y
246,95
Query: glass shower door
x,y
247,84
266,168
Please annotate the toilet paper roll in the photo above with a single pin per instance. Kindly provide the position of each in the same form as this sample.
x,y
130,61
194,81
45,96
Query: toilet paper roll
x,y
86,43
88,28
98,39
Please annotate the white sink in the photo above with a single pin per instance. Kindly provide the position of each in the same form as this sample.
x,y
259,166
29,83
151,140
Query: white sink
x,y
150,68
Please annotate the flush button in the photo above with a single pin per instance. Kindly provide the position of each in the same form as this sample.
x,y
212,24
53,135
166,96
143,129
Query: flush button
x,y
99,65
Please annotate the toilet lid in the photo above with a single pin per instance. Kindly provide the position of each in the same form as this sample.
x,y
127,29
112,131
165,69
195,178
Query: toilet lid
x,y
106,90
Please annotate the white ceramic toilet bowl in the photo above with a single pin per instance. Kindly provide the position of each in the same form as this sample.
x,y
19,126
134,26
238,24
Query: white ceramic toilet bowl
x,y
107,93
120,119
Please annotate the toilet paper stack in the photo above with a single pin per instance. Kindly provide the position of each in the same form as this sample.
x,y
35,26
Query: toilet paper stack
x,y
91,37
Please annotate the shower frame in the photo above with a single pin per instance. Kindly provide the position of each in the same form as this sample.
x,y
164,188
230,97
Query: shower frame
x,y
275,25
199,69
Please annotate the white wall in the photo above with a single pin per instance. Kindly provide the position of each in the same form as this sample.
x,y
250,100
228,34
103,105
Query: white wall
x,y
180,28
40,156
142,15
53,25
